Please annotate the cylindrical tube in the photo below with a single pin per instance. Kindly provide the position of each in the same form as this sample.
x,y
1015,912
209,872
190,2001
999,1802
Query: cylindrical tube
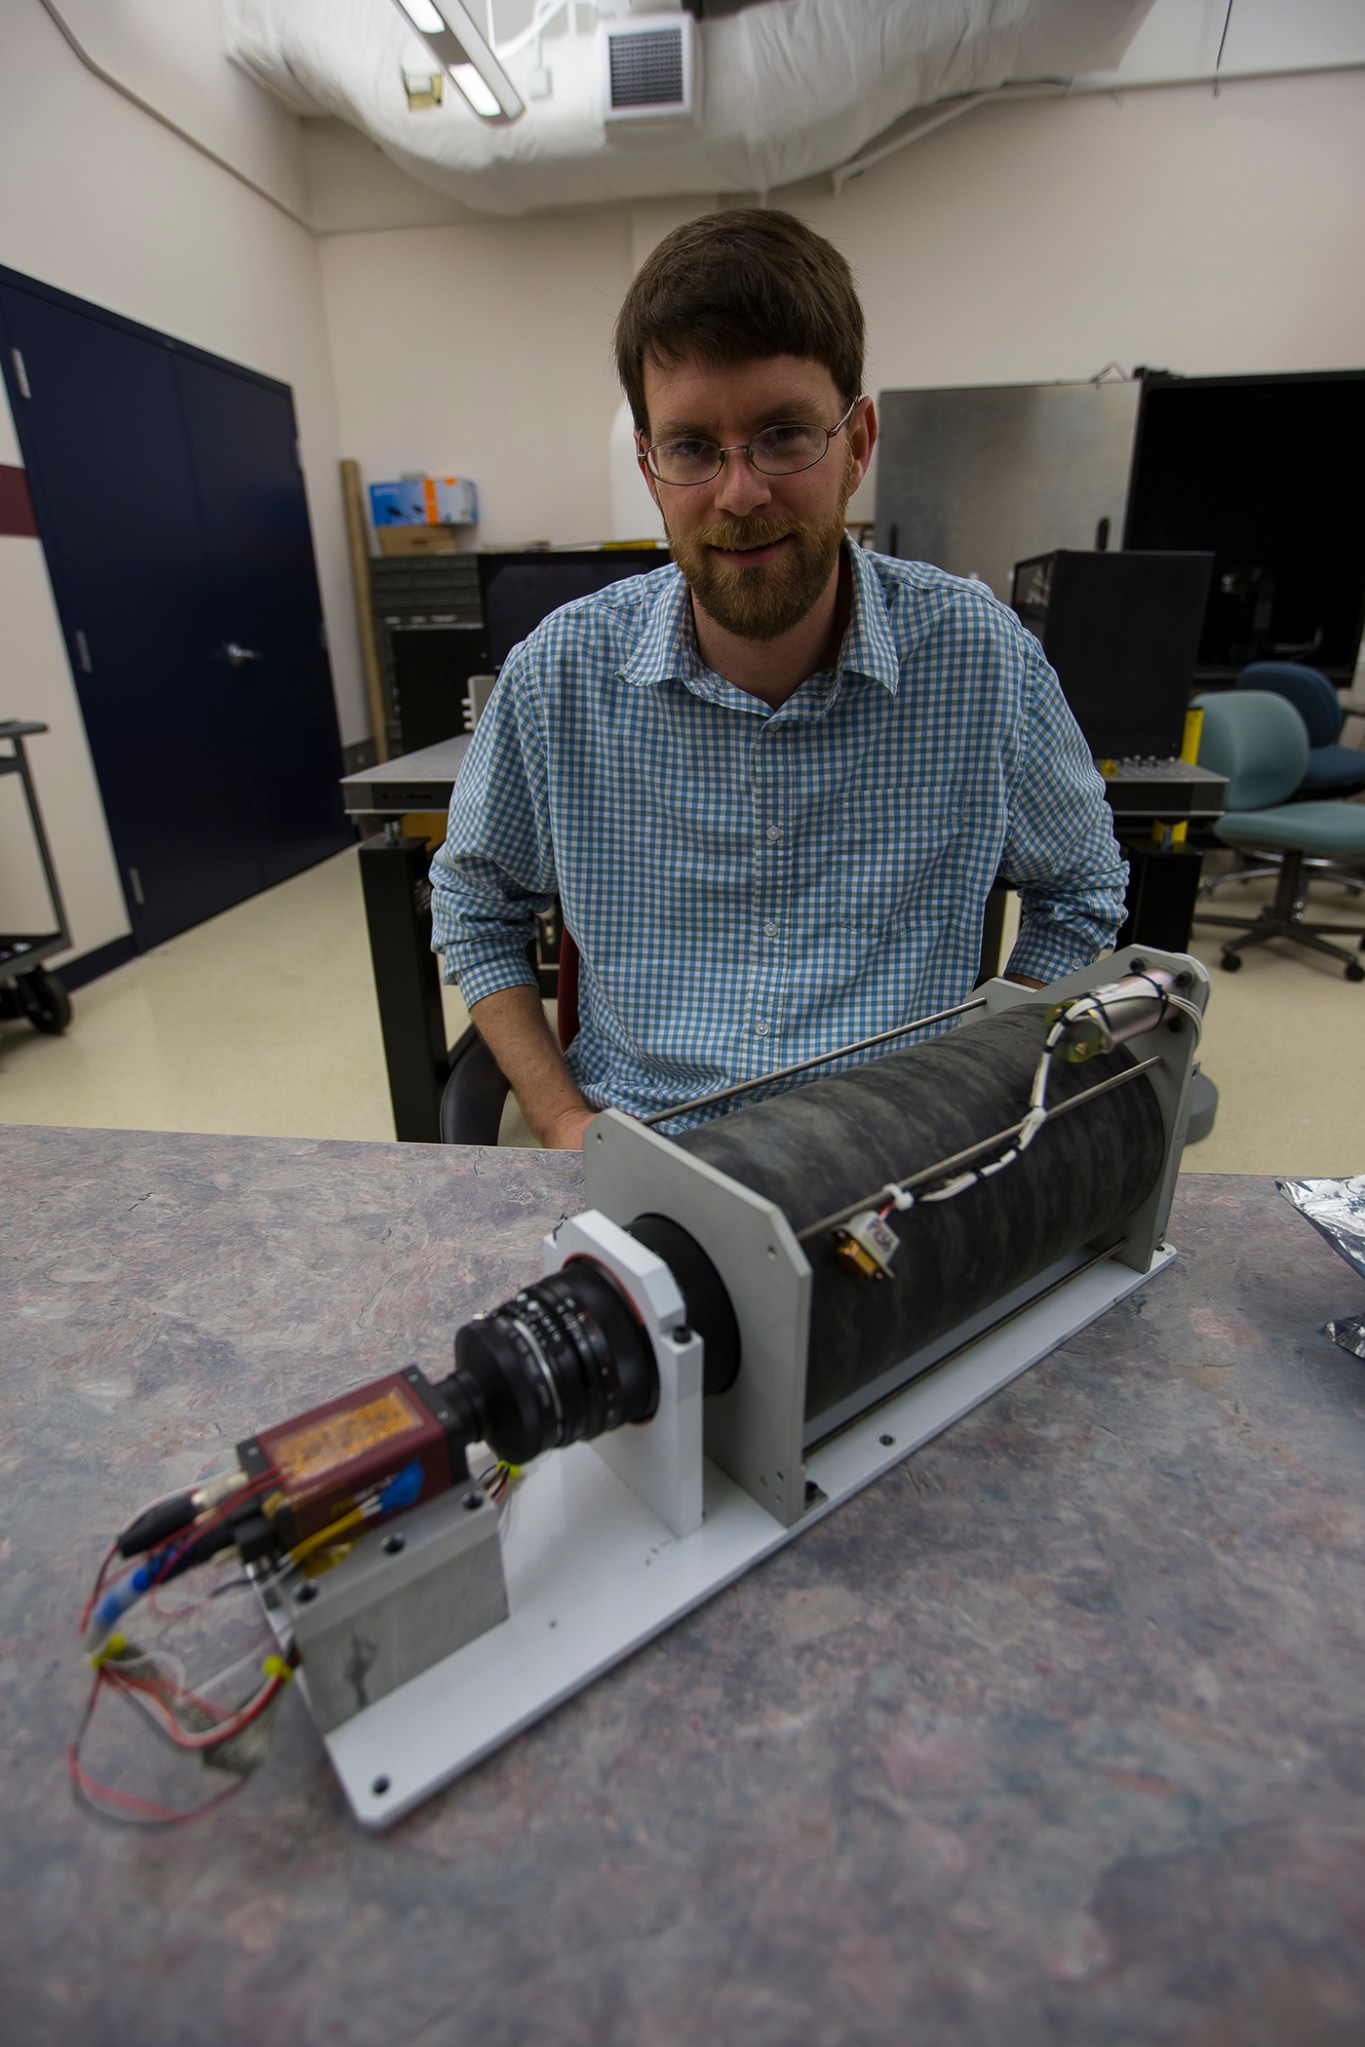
x,y
835,1141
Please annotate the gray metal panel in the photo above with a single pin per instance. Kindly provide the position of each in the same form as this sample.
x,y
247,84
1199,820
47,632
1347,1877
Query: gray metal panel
x,y
979,478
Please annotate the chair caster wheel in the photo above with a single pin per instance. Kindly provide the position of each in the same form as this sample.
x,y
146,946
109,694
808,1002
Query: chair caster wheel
x,y
1355,972
1230,962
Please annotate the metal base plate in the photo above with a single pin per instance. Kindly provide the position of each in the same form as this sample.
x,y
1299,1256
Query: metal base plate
x,y
592,1574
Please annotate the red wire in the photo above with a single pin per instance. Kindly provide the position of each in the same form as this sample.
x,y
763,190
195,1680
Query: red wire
x,y
226,1726
142,1810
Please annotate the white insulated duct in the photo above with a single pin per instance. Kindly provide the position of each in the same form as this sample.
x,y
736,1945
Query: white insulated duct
x,y
789,89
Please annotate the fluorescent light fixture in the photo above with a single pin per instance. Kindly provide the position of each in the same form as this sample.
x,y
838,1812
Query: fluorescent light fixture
x,y
480,96
424,17
458,45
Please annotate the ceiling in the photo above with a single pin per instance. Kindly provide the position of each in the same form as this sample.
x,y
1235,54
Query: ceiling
x,y
788,88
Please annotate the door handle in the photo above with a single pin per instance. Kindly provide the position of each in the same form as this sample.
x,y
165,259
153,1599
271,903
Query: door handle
x,y
239,656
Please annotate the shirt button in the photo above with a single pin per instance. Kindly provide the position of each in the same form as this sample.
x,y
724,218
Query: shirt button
x,y
760,1029
770,929
773,834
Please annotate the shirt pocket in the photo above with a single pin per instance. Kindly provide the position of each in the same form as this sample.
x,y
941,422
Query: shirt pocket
x,y
898,856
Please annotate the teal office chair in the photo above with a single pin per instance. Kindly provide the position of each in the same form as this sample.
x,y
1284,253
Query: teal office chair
x,y
1259,742
1333,769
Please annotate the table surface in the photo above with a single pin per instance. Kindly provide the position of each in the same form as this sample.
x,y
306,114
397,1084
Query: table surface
x,y
1053,1735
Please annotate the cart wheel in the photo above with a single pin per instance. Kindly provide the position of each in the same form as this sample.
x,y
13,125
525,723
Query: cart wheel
x,y
44,1001
1230,962
1355,972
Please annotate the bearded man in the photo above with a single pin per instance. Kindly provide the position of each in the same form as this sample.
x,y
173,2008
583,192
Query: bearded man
x,y
773,783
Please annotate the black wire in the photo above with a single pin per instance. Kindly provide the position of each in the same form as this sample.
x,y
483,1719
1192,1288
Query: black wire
x,y
1222,45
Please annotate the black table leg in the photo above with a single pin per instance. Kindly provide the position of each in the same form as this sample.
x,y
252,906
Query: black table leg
x,y
407,982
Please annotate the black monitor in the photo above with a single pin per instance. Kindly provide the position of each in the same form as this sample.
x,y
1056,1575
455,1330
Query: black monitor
x,y
1265,471
1122,632
518,590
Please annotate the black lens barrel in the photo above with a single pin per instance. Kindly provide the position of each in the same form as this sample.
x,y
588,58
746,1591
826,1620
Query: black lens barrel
x,y
561,1362
569,1359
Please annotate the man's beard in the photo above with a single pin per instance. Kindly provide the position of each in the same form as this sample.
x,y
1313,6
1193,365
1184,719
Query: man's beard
x,y
763,602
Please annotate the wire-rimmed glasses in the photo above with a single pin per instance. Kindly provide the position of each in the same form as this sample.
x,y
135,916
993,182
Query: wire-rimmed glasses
x,y
781,450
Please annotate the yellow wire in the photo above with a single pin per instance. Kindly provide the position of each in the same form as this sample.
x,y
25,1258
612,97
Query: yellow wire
x,y
326,1535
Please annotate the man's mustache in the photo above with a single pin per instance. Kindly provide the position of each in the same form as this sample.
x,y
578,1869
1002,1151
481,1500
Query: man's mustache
x,y
751,533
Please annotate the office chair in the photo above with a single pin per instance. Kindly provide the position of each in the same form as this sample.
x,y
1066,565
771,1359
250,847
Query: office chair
x,y
1333,769
473,1098
1260,743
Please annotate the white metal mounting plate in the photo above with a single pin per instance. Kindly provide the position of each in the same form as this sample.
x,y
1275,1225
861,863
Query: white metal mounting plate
x,y
592,1574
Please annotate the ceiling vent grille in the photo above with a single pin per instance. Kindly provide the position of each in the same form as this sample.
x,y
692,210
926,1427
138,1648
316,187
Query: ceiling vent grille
x,y
649,68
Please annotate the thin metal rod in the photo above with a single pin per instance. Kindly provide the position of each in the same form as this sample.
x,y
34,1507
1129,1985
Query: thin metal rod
x,y
942,1167
991,1328
744,1087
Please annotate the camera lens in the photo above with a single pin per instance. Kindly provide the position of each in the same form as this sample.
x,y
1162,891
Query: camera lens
x,y
562,1361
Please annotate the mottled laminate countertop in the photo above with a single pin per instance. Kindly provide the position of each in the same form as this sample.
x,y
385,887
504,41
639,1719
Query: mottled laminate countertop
x,y
1054,1735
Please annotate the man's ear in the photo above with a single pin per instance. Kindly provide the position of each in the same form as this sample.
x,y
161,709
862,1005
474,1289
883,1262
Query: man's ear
x,y
862,436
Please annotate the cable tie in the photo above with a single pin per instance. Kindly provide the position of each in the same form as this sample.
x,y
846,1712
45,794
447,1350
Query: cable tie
x,y
898,1197
953,1187
276,1666
1032,1124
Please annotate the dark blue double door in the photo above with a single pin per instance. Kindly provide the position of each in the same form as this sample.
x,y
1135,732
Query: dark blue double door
x,y
173,517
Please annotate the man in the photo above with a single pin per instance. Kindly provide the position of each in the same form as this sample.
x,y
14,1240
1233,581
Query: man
x,y
773,783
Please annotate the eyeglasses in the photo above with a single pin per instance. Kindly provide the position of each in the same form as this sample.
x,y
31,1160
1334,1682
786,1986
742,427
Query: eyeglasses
x,y
782,450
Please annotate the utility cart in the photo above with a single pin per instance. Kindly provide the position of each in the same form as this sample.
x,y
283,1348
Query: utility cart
x,y
27,987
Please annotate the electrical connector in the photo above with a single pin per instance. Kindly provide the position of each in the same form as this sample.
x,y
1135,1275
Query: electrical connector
x,y
867,1243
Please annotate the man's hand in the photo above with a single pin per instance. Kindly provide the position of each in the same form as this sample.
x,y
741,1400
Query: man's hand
x,y
565,1132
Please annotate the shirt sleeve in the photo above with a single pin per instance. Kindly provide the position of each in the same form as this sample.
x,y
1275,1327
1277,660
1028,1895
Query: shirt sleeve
x,y
1060,852
496,871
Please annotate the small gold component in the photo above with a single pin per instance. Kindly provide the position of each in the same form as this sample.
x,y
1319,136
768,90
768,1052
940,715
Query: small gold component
x,y
867,1243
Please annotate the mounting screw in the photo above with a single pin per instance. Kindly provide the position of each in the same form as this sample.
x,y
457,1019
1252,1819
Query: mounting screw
x,y
472,1501
682,1334
887,1442
394,1543
379,1786
308,1590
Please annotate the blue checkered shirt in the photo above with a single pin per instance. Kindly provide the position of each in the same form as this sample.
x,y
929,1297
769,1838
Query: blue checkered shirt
x,y
750,886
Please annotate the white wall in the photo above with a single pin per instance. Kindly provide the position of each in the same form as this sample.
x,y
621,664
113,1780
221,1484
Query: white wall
x,y
169,55
101,201
484,350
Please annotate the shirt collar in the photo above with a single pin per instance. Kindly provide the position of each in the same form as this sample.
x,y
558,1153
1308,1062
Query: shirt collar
x,y
666,650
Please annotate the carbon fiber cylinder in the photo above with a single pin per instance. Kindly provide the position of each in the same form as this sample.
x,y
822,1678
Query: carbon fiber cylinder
x,y
817,1148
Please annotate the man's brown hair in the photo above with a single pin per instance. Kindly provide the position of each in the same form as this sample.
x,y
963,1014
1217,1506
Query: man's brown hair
x,y
735,287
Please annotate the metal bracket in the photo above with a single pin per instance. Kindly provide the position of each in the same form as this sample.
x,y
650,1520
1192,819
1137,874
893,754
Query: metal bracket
x,y
661,1459
1175,1043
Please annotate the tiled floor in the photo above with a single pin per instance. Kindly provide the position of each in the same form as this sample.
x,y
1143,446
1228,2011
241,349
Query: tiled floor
x,y
264,1022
